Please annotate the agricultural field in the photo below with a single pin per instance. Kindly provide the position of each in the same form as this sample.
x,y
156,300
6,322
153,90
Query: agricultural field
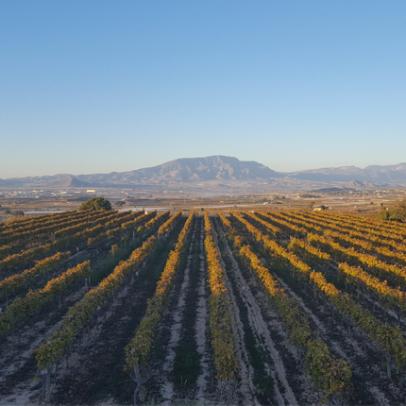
x,y
287,307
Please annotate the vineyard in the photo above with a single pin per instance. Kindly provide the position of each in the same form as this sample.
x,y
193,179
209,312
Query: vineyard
x,y
267,308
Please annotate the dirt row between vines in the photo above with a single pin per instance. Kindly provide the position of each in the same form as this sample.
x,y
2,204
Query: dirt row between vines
x,y
94,371
290,385
370,382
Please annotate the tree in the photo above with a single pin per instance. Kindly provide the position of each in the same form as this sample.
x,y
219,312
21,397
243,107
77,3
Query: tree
x,y
97,203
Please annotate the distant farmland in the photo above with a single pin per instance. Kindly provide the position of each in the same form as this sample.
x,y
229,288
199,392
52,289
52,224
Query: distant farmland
x,y
273,308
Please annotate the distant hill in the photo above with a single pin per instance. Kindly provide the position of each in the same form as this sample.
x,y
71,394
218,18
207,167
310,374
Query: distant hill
x,y
58,181
378,175
221,173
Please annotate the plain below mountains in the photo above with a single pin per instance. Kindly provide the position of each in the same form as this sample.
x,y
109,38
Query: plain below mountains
x,y
221,174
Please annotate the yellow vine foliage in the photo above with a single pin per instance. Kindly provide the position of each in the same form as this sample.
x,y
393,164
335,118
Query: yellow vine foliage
x,y
19,282
274,247
139,348
329,374
366,259
25,307
393,295
220,318
389,338
79,315
376,244
296,243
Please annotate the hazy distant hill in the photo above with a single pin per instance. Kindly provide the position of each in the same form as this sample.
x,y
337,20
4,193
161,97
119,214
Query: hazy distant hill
x,y
221,173
379,175
60,181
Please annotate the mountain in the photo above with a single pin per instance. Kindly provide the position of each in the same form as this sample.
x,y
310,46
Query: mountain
x,y
218,174
377,175
57,181
213,168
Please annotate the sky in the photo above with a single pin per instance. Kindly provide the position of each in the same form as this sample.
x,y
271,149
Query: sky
x,y
99,86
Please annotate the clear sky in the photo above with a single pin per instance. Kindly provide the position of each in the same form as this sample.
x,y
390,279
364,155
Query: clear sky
x,y
95,86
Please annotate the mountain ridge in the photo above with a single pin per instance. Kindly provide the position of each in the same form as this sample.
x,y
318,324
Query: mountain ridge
x,y
218,169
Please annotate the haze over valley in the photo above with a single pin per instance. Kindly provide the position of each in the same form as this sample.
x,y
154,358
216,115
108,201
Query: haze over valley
x,y
221,175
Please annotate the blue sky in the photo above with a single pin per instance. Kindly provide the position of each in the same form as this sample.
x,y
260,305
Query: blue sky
x,y
95,86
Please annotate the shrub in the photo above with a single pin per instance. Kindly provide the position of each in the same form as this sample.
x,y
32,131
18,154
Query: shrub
x,y
98,203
